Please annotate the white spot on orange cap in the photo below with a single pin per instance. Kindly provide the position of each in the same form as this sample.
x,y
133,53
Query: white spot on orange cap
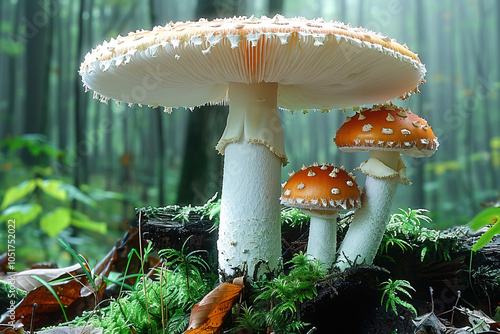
x,y
367,127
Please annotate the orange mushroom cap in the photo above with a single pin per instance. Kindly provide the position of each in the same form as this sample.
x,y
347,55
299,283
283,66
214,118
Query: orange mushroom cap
x,y
387,128
324,187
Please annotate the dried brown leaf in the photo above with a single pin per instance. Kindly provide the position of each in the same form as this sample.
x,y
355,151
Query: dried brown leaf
x,y
208,315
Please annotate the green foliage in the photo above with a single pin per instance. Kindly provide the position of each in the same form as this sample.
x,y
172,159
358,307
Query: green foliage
x,y
18,192
276,302
44,199
164,303
405,231
391,289
36,144
25,203
189,266
489,216
293,217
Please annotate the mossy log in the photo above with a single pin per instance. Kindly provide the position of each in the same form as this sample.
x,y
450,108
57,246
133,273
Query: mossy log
x,y
173,226
433,259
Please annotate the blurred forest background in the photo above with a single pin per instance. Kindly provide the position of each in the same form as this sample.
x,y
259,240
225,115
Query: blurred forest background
x,y
76,168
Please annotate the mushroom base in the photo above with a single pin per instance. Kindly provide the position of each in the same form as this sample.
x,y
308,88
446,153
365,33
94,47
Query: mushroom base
x,y
249,228
366,231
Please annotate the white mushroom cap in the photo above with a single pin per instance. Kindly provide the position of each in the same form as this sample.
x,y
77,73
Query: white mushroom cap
x,y
317,64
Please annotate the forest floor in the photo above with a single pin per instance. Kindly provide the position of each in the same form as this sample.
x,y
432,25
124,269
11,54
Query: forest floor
x,y
417,270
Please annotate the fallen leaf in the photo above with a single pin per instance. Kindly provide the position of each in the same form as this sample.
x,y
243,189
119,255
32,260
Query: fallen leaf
x,y
208,315
48,311
23,280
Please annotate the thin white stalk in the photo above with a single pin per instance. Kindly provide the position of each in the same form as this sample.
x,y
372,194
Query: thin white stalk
x,y
366,231
322,243
249,227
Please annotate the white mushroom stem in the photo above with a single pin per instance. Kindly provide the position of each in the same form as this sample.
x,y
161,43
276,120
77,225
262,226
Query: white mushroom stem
x,y
322,242
249,228
367,228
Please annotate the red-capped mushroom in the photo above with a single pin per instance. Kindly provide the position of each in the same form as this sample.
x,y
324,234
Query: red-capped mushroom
x,y
386,131
320,192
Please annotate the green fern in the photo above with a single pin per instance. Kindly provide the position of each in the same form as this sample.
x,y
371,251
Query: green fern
x,y
405,231
390,294
166,301
293,217
277,301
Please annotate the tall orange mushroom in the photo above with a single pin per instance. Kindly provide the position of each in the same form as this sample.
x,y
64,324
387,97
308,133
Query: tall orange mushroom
x,y
386,132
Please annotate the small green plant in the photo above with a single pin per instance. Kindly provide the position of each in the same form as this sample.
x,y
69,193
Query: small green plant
x,y
391,289
405,231
160,305
489,216
276,304
293,217
43,200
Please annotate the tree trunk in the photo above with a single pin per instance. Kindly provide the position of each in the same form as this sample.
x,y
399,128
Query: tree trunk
x,y
418,196
160,139
202,165
10,86
38,51
489,177
275,7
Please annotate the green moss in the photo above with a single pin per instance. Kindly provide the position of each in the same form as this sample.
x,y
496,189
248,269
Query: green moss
x,y
7,293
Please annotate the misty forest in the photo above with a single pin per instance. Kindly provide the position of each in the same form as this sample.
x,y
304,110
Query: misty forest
x,y
127,199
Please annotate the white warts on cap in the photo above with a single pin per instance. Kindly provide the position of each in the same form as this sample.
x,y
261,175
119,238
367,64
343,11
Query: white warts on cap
x,y
335,191
387,131
367,127
389,118
287,192
311,173
405,132
301,186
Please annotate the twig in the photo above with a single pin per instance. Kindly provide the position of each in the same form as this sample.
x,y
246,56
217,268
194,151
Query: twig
x,y
432,298
456,303
32,322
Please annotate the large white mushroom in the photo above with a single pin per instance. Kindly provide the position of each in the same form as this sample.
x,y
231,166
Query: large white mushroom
x,y
254,65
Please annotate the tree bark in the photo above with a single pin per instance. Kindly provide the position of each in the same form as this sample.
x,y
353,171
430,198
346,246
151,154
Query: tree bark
x,y
418,195
38,21
202,165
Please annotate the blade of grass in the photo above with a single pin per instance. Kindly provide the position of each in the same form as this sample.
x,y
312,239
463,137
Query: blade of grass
x,y
79,258
47,285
